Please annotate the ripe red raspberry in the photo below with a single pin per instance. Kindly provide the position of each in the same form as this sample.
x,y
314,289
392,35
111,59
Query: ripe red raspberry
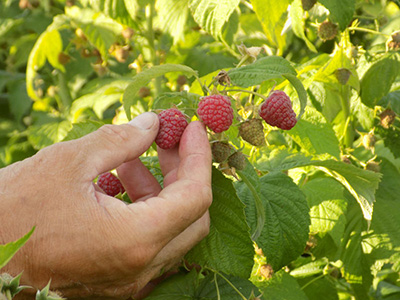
x,y
172,125
110,184
216,112
277,111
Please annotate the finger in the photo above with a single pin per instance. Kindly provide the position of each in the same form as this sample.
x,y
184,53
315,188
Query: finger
x,y
169,159
169,163
185,200
112,145
173,252
138,181
181,244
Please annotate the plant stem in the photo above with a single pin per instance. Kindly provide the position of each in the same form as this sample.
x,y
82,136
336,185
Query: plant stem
x,y
8,295
367,30
150,9
247,91
259,206
345,101
312,281
230,283
216,286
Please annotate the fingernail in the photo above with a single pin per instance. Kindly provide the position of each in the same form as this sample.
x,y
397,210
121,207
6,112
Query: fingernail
x,y
144,121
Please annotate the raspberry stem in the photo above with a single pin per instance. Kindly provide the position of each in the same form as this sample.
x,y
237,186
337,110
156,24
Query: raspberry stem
x,y
248,91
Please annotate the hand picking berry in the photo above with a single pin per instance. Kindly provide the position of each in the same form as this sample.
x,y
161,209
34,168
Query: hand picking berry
x,y
277,111
216,112
172,124
110,184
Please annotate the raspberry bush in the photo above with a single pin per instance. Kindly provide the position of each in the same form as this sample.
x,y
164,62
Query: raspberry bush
x,y
301,100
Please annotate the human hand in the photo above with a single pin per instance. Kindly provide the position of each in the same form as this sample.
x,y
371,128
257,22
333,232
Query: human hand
x,y
94,246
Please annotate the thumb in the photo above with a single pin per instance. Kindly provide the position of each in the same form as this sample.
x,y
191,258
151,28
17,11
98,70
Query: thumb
x,y
111,145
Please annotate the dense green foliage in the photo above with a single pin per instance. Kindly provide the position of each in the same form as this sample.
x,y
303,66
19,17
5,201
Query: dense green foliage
x,y
314,215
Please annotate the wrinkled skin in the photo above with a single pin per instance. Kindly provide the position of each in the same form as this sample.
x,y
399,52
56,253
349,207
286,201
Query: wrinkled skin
x,y
93,246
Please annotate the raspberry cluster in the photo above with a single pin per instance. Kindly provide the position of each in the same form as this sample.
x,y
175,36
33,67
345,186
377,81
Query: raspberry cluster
x,y
216,112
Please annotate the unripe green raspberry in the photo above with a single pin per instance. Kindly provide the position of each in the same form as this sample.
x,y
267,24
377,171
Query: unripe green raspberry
x,y
252,131
220,151
342,75
327,31
308,4
237,160
369,141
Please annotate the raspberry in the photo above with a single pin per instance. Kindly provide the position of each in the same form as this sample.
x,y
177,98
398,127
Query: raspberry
x,y
172,125
110,184
342,75
237,160
220,151
327,30
308,4
373,166
387,118
216,112
252,131
277,111
369,141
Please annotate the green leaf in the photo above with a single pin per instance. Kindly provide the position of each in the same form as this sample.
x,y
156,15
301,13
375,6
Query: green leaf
x,y
272,15
177,287
82,128
339,60
132,6
228,247
282,286
308,132
105,93
301,92
194,286
20,103
211,15
41,136
207,288
7,251
378,79
100,30
362,184
327,207
265,68
187,102
391,100
296,16
117,10
47,47
314,287
173,16
341,11
313,268
356,268
286,228
145,76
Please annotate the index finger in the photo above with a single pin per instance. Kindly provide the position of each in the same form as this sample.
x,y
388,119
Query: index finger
x,y
187,199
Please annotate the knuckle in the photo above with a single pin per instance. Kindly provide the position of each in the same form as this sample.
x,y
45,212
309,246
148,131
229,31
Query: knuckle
x,y
205,227
205,193
114,134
